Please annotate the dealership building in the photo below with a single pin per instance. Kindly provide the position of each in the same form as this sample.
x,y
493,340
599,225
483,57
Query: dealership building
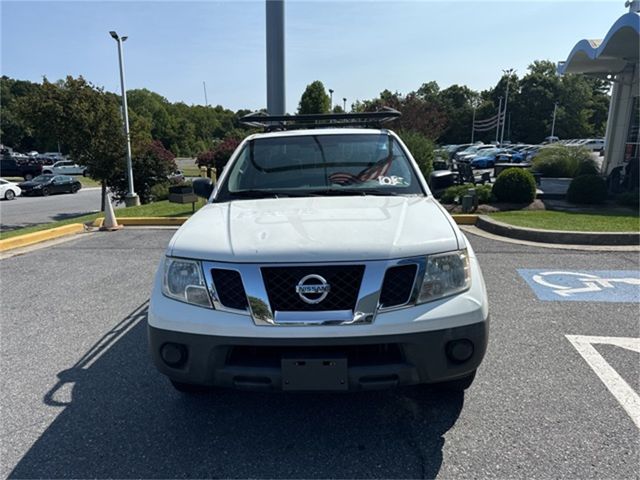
x,y
615,58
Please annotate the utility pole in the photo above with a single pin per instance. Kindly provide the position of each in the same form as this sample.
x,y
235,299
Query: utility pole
x,y
499,115
553,123
331,99
206,101
344,104
508,73
131,199
473,124
275,57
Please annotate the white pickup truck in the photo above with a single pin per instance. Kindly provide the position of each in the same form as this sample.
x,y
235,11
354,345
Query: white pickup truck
x,y
320,262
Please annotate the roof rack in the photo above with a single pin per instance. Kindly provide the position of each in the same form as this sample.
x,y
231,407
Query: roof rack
x,y
321,120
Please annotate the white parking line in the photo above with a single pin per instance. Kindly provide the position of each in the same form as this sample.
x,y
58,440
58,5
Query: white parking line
x,y
620,389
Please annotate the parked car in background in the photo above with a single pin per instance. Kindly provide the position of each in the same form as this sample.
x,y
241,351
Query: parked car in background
x,y
176,177
65,167
47,184
9,190
487,159
10,167
593,144
468,154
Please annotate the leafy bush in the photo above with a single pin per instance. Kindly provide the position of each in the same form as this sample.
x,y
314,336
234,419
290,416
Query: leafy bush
x,y
152,164
458,191
220,155
589,189
629,199
515,185
564,162
421,148
159,191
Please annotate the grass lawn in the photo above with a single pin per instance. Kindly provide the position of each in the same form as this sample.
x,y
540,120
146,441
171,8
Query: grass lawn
x,y
192,171
595,221
156,209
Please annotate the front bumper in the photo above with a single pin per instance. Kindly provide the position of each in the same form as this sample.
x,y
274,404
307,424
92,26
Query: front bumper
x,y
373,362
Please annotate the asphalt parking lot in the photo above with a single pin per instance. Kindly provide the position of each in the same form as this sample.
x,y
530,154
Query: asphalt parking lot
x,y
29,211
81,398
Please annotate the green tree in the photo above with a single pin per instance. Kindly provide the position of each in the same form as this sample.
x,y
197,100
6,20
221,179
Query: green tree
x,y
84,118
314,99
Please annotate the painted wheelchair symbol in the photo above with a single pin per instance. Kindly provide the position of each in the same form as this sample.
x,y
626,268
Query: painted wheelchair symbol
x,y
589,282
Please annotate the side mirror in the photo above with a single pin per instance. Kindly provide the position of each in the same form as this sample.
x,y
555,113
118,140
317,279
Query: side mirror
x,y
202,187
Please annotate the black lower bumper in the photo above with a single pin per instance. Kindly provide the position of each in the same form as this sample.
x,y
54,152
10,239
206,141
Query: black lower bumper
x,y
370,362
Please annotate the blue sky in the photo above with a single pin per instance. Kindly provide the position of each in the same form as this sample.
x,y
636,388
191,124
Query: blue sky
x,y
357,48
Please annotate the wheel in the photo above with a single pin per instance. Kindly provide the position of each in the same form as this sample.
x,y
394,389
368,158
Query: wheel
x,y
28,176
457,385
45,192
9,195
74,189
188,388
84,173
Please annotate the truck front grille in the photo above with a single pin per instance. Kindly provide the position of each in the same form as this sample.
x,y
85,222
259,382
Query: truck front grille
x,y
281,282
398,285
229,288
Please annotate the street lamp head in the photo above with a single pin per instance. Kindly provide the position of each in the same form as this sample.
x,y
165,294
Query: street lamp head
x,y
114,35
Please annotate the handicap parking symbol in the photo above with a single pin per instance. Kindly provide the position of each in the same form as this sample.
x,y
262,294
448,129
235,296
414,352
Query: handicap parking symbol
x,y
621,286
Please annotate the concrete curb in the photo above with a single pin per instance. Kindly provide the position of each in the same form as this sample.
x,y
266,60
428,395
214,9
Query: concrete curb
x,y
557,236
42,236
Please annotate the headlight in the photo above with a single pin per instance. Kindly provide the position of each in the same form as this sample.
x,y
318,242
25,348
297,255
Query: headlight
x,y
445,274
183,281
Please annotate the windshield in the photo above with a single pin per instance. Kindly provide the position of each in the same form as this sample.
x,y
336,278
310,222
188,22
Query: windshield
x,y
308,165
42,178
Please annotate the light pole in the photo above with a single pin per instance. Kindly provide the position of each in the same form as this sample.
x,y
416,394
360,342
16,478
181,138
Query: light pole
x,y
344,104
275,57
508,73
131,199
553,124
498,122
331,98
473,124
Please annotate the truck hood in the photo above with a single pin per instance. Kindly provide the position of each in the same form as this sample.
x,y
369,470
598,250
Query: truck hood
x,y
316,229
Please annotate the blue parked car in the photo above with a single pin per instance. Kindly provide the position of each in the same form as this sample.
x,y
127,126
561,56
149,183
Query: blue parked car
x,y
486,160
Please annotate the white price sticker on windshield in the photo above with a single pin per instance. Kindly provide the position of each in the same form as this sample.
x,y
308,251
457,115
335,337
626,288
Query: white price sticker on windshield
x,y
392,180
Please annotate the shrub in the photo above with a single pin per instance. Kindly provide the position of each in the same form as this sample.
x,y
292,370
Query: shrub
x,y
159,191
629,199
589,189
421,148
515,185
458,191
152,165
564,162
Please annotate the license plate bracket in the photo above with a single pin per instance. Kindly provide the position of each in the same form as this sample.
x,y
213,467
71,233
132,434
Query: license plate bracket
x,y
322,372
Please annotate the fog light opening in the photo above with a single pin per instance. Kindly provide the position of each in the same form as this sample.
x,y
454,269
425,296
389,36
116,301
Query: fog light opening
x,y
459,351
173,354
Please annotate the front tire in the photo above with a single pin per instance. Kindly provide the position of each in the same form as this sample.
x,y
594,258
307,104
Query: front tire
x,y
45,192
9,195
75,189
28,176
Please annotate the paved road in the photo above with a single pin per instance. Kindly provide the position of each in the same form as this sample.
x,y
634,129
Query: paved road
x,y
27,211
81,399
